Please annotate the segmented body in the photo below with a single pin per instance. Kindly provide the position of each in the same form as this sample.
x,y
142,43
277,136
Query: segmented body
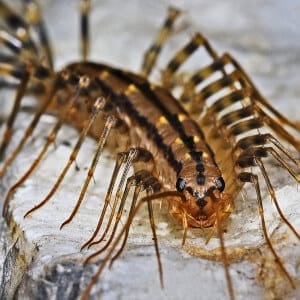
x,y
180,149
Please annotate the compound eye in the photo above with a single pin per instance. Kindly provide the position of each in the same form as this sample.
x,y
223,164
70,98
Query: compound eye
x,y
220,184
180,184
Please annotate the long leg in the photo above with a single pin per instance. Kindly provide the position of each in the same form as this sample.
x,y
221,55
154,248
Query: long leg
x,y
29,129
127,165
34,18
240,76
12,42
257,94
85,7
152,225
181,56
249,177
246,92
130,182
159,195
126,158
142,179
10,121
121,157
50,140
224,256
102,140
273,195
137,191
99,104
133,156
164,33
16,23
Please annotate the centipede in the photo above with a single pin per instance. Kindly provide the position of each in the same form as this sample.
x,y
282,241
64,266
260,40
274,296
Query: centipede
x,y
184,148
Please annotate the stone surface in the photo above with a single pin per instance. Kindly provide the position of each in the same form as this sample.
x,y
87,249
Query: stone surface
x,y
42,262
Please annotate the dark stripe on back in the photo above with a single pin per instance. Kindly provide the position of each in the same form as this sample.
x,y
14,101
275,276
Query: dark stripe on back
x,y
124,102
172,118
144,87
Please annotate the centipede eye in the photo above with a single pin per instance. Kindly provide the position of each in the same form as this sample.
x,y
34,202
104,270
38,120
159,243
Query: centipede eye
x,y
220,183
180,184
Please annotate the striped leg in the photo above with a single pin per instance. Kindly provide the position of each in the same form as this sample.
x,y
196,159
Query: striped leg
x,y
17,30
240,76
127,159
164,33
85,7
181,56
35,20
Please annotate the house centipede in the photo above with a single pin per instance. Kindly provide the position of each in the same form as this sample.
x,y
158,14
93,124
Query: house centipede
x,y
72,81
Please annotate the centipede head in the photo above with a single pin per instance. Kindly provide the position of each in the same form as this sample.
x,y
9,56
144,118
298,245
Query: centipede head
x,y
202,202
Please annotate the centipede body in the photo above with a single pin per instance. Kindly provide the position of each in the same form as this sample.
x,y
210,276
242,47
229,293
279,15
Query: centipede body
x,y
129,253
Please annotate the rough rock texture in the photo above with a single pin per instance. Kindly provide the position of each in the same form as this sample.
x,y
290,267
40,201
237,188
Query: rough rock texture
x,y
38,261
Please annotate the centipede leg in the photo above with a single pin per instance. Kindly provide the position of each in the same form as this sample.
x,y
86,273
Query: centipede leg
x,y
273,196
14,44
137,191
103,138
16,23
152,224
127,164
224,256
181,56
35,19
130,182
119,161
126,158
275,126
164,33
141,180
259,97
99,104
160,195
29,130
249,177
11,119
13,70
85,7
50,140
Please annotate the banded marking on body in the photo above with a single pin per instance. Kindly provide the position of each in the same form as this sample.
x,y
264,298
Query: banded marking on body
x,y
176,122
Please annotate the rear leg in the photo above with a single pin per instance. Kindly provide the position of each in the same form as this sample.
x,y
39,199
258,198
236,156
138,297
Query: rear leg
x,y
16,30
197,42
164,33
85,7
35,20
